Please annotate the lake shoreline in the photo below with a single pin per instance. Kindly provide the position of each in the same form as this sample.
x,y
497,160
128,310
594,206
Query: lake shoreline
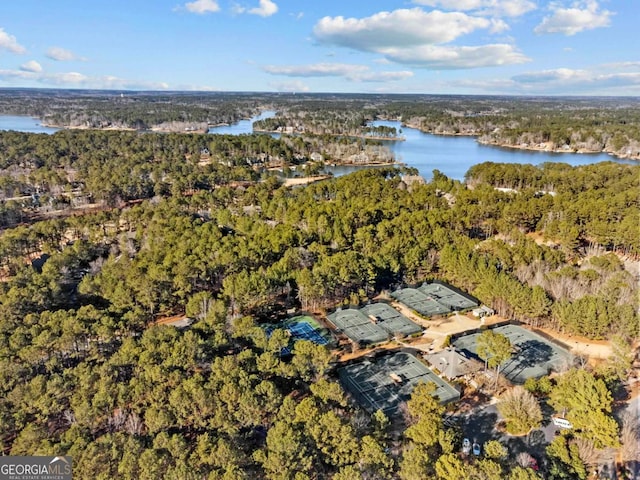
x,y
534,148
550,149
366,137
546,147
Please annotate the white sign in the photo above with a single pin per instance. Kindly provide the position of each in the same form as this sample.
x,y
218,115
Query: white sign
x,y
561,422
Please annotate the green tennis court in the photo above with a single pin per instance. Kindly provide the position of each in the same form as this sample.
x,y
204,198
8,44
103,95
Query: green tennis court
x,y
435,298
534,356
374,323
385,383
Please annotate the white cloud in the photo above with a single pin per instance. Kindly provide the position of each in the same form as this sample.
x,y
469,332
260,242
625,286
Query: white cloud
x,y
558,74
498,26
606,79
400,28
79,80
568,78
202,6
496,8
31,66
63,55
413,36
316,70
621,65
582,15
384,76
10,43
450,57
265,9
355,73
293,86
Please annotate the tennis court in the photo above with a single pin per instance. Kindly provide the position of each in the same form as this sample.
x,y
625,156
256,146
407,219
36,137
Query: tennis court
x,y
299,328
357,326
304,331
420,302
534,356
435,298
390,319
386,383
448,296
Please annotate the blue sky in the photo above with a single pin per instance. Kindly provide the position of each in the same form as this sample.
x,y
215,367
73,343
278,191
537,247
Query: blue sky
x,y
577,47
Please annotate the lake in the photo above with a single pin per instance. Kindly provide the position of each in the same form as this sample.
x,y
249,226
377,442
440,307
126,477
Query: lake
x,y
452,155
24,124
242,127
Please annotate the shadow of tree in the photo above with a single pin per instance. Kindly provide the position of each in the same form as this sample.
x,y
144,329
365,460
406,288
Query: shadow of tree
x,y
480,426
531,355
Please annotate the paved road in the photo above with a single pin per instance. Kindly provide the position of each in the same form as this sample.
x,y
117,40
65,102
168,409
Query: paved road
x,y
479,425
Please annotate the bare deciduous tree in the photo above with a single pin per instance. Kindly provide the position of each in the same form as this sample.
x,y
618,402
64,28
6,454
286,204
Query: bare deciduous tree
x,y
134,424
524,459
521,410
589,454
630,437
69,417
118,419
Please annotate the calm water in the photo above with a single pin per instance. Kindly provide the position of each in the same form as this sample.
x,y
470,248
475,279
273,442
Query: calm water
x,y
24,124
243,126
454,155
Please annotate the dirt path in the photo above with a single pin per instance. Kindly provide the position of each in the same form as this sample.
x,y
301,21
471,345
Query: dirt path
x,y
174,320
580,345
291,182
443,327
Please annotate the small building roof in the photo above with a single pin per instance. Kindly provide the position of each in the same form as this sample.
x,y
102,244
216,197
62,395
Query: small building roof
x,y
452,363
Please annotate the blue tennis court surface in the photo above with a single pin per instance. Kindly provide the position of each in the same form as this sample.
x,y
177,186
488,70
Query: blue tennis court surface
x,y
304,331
298,331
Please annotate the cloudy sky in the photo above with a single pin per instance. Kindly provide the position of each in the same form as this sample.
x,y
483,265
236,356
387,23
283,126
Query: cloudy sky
x,y
577,47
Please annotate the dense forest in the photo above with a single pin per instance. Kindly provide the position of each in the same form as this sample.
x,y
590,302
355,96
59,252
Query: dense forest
x,y
43,173
105,233
135,110
575,125
85,372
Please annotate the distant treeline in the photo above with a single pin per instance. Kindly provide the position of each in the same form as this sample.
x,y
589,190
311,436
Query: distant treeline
x,y
597,124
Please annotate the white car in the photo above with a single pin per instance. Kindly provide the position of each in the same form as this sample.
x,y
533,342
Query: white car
x,y
466,446
476,448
